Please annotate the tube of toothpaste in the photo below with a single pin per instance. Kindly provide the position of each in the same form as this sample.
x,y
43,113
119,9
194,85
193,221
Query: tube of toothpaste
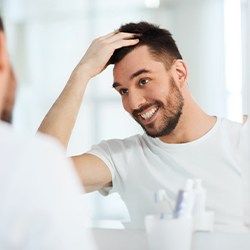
x,y
185,201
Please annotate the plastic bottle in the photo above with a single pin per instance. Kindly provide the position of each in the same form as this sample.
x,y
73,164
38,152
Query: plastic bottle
x,y
199,197
203,220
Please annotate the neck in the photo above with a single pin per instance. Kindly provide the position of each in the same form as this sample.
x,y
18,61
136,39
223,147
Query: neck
x,y
193,124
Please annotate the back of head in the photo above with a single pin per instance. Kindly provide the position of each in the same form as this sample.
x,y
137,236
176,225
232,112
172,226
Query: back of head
x,y
160,42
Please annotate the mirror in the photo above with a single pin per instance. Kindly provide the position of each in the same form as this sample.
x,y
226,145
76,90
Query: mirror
x,y
48,38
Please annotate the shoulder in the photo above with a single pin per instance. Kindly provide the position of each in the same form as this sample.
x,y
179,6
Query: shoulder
x,y
34,158
234,132
11,137
19,147
230,127
229,124
126,143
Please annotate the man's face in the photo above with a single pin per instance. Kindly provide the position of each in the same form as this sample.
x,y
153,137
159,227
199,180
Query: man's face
x,y
149,92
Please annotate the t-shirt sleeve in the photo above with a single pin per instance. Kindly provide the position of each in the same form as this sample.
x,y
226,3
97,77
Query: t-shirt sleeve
x,y
102,151
117,155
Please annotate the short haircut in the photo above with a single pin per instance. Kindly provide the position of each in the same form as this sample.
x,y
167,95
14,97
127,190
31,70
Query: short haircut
x,y
160,42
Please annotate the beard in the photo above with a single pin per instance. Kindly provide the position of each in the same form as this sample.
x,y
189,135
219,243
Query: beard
x,y
6,114
172,111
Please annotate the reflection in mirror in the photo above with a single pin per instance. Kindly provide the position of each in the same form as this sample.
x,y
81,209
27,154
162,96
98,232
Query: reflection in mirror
x,y
47,39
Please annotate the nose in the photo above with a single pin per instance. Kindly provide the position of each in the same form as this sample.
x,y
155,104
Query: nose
x,y
135,100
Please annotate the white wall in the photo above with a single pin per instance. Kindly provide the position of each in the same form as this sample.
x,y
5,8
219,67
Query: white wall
x,y
199,30
247,52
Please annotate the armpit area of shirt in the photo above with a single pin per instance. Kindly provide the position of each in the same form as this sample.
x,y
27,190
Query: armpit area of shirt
x,y
106,190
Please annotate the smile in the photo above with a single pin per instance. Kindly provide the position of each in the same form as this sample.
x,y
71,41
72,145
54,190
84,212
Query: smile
x,y
149,114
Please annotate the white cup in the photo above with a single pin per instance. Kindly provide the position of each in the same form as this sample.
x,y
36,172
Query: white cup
x,y
169,233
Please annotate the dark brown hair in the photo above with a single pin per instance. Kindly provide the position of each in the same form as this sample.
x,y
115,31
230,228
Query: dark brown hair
x,y
160,42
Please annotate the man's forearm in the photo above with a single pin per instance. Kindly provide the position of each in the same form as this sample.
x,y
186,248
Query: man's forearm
x,y
60,119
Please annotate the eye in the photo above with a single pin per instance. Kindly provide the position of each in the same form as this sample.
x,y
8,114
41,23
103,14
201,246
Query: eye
x,y
123,91
143,81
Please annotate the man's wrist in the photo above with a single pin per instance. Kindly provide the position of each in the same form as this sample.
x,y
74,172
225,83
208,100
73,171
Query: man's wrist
x,y
81,72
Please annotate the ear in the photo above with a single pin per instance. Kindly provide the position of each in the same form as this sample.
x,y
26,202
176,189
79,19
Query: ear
x,y
180,72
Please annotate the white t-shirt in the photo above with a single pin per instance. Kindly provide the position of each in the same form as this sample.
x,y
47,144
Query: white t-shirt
x,y
141,165
41,203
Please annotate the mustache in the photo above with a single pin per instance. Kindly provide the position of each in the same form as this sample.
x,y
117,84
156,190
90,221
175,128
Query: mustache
x,y
136,112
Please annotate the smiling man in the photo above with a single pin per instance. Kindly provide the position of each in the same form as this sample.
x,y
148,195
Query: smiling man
x,y
139,89
157,117
180,141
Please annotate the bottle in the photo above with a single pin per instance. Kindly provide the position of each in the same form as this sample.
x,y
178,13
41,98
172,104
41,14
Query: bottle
x,y
199,197
185,200
202,220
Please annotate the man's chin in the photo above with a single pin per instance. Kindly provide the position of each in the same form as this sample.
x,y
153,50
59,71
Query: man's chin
x,y
152,133
6,116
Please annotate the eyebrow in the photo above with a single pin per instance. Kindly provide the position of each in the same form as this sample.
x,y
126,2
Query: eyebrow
x,y
116,84
135,74
139,72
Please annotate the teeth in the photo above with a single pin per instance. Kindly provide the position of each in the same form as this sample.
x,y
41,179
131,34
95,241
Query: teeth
x,y
149,114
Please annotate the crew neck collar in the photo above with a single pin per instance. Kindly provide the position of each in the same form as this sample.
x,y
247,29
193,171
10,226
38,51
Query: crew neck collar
x,y
158,142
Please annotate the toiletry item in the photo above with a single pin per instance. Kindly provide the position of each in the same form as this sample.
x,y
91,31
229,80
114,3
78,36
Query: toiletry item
x,y
202,220
169,233
163,204
199,197
185,200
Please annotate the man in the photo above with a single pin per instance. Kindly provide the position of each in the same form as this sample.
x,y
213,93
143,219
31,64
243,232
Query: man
x,y
39,190
181,141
